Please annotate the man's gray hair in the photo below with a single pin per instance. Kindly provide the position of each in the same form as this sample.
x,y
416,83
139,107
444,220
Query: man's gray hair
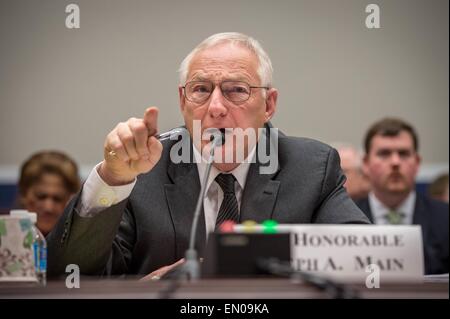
x,y
265,69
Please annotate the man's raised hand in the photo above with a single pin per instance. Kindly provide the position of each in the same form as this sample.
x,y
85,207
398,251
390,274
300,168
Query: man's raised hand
x,y
131,149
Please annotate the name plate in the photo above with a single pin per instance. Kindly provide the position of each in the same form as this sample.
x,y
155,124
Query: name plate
x,y
355,252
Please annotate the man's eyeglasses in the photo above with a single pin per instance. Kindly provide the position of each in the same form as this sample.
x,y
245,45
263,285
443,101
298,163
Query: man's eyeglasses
x,y
234,91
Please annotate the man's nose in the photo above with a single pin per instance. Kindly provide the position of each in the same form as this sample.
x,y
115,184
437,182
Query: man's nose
x,y
395,159
217,106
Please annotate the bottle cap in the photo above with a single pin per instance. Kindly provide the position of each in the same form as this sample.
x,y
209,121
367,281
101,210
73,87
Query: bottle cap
x,y
18,213
23,213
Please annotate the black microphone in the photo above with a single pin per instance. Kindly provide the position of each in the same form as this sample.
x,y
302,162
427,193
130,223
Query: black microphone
x,y
192,265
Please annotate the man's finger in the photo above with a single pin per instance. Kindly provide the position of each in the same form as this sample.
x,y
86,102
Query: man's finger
x,y
154,147
115,149
127,139
139,130
151,120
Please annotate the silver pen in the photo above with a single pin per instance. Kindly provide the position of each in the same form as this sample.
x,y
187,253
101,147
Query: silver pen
x,y
173,132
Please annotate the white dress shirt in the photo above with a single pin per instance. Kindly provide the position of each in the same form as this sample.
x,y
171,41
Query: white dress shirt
x,y
97,195
214,194
379,210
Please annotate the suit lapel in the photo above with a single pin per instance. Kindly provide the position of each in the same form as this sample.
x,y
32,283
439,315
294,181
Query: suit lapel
x,y
181,198
364,205
261,190
260,195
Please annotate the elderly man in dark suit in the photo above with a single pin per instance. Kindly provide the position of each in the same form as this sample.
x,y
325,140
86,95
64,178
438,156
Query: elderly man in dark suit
x,y
134,213
391,163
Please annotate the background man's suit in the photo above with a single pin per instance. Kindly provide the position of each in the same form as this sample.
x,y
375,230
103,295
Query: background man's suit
x,y
433,217
151,228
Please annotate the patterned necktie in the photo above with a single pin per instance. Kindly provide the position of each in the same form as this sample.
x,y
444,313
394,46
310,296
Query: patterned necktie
x,y
394,218
229,207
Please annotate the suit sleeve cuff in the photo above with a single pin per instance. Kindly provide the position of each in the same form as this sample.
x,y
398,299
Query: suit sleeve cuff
x,y
97,195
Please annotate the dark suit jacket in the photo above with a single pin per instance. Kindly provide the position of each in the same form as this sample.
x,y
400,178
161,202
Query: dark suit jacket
x,y
433,217
151,228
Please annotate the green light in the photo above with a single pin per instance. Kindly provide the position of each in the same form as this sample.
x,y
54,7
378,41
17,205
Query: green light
x,y
269,226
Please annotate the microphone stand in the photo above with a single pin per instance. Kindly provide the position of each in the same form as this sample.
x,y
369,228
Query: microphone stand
x,y
192,264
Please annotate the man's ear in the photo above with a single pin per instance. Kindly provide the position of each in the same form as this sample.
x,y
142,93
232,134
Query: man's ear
x,y
271,103
181,97
418,162
419,159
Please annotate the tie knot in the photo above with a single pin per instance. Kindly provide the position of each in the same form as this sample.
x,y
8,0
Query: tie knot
x,y
226,183
394,217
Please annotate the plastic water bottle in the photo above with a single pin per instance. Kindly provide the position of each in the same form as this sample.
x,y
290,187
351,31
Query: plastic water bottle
x,y
39,245
40,251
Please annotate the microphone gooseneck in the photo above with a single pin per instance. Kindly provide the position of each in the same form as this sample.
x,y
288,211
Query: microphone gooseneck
x,y
192,266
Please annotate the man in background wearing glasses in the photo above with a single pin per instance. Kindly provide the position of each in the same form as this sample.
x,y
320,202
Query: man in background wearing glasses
x,y
134,213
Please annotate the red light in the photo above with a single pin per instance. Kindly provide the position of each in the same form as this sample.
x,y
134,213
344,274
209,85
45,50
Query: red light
x,y
227,226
